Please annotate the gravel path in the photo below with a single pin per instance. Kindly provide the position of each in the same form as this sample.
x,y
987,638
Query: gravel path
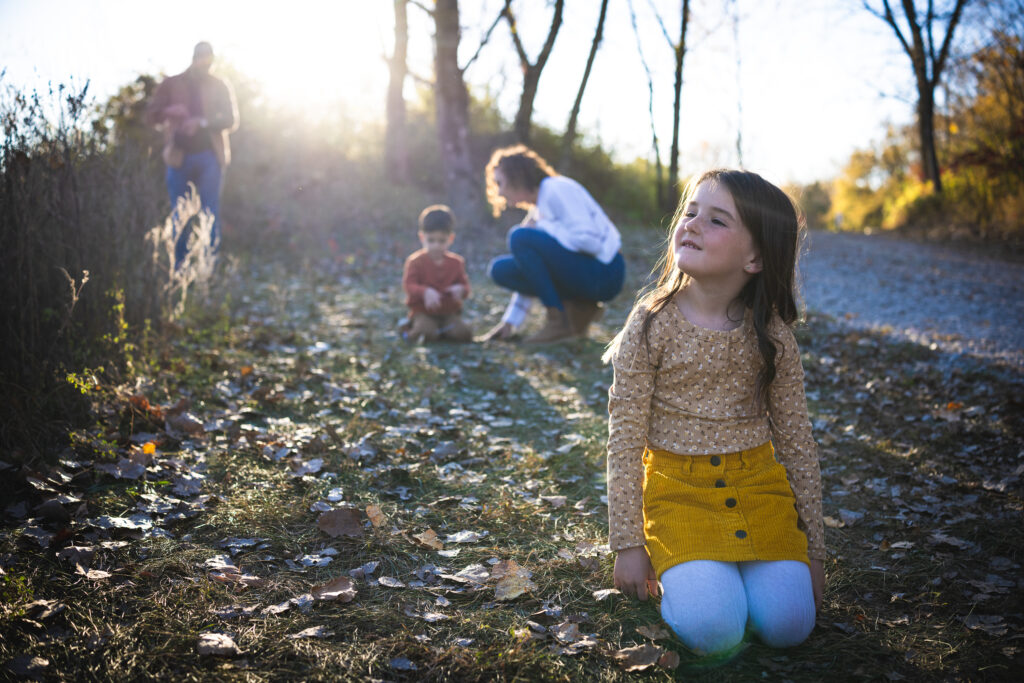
x,y
957,300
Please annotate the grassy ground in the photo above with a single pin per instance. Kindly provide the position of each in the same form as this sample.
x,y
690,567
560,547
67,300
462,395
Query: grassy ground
x,y
295,396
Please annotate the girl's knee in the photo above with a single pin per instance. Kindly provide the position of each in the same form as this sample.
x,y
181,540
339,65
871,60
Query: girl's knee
x,y
784,628
704,604
705,631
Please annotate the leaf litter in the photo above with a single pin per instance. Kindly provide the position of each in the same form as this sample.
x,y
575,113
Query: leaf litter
x,y
454,466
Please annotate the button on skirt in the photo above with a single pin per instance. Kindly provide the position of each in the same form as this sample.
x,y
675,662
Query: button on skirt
x,y
731,507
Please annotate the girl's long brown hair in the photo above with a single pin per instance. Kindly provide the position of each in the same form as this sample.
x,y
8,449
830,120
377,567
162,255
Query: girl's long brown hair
x,y
775,225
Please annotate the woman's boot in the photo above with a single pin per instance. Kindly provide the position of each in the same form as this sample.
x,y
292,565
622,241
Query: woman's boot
x,y
581,314
555,328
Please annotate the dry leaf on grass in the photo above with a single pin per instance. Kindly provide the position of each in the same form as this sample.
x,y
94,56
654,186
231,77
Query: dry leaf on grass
x,y
341,589
606,592
430,539
566,632
376,515
465,537
554,501
654,632
390,582
513,586
640,657
185,422
514,580
342,522
217,644
312,632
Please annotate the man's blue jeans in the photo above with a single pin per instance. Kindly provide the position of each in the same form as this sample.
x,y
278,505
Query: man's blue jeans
x,y
539,266
205,173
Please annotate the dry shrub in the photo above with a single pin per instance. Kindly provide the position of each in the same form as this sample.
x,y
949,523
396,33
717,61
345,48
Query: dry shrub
x,y
75,269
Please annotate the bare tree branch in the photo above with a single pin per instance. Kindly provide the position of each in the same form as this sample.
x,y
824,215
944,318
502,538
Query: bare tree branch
x,y
417,3
659,189
661,23
483,41
507,13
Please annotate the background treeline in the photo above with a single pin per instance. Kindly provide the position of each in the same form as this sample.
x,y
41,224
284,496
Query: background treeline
x,y
978,137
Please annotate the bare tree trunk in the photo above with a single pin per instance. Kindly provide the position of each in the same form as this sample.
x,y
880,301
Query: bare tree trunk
x,y
452,105
531,72
570,129
659,186
673,163
396,148
928,66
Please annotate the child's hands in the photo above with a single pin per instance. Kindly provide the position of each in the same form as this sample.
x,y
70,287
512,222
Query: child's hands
x,y
634,575
176,111
431,298
457,290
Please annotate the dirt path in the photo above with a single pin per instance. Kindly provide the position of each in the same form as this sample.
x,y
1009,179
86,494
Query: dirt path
x,y
958,300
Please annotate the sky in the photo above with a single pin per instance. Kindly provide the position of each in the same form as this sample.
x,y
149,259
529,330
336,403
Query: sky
x,y
802,82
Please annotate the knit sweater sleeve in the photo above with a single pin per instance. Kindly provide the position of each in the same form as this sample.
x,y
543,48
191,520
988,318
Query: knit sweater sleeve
x,y
793,440
412,278
629,408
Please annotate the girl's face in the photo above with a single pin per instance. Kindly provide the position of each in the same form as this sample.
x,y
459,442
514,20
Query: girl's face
x,y
514,196
710,241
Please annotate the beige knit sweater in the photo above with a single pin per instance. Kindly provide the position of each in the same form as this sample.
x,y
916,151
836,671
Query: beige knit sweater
x,y
694,395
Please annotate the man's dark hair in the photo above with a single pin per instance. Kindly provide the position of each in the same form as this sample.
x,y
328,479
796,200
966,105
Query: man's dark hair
x,y
437,218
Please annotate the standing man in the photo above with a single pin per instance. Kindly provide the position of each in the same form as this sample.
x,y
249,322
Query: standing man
x,y
195,111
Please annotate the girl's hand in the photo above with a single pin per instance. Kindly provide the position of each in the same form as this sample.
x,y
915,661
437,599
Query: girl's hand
x,y
457,291
817,582
634,575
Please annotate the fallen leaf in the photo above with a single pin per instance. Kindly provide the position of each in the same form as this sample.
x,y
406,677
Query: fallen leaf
x,y
465,537
341,522
217,644
26,666
312,632
390,582
185,422
431,617
376,515
606,592
513,586
640,657
554,501
566,632
430,539
402,664
341,589
507,568
653,632
41,610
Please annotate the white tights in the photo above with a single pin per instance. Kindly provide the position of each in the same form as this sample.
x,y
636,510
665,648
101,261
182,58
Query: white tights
x,y
709,604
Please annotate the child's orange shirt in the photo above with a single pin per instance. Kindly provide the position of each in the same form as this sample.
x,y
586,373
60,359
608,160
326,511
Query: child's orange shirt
x,y
421,272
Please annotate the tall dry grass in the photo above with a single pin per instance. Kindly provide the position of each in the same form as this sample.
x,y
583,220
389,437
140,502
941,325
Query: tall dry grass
x,y
77,272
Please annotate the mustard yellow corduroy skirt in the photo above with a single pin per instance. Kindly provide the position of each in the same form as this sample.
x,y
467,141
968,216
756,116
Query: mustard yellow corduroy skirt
x,y
731,507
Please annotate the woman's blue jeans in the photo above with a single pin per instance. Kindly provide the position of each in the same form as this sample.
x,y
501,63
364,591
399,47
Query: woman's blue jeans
x,y
539,266
204,172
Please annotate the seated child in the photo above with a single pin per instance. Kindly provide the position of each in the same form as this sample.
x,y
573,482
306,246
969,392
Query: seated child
x,y
435,281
